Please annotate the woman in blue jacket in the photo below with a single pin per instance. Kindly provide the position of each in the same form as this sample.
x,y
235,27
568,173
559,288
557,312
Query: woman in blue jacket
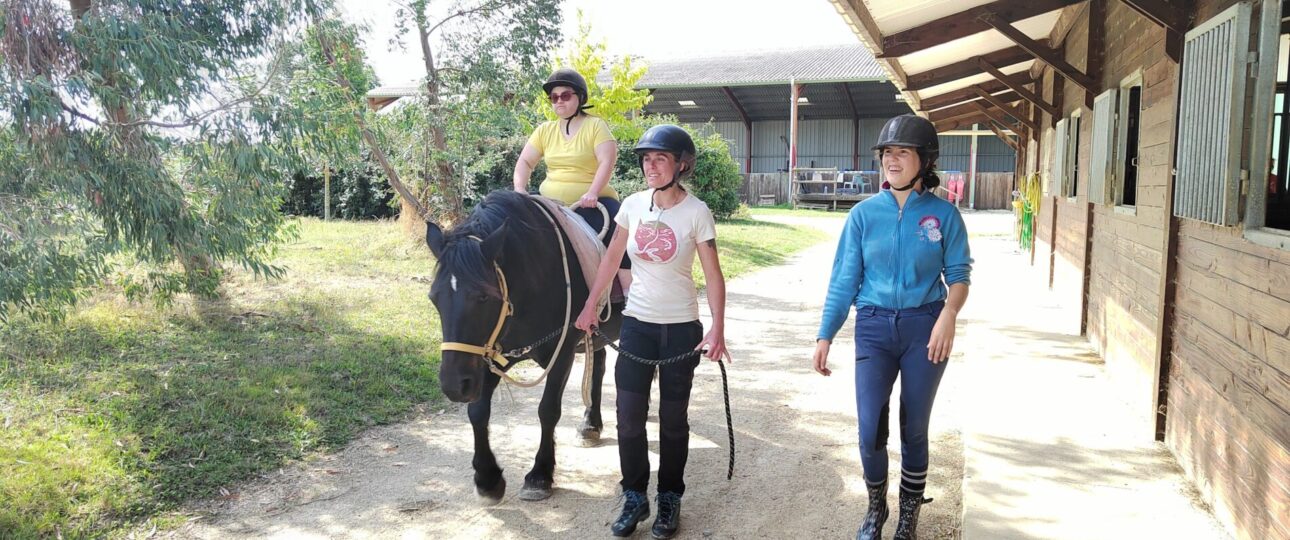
x,y
903,261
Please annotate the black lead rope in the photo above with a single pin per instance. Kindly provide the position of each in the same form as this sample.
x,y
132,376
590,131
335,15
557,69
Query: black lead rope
x,y
725,387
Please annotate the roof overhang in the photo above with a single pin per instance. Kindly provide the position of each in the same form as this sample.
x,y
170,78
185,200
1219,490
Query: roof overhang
x,y
962,62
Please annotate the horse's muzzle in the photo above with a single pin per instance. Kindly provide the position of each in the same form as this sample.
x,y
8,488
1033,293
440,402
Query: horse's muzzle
x,y
461,377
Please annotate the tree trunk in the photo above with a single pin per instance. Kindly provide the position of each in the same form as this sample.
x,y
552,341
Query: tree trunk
x,y
447,181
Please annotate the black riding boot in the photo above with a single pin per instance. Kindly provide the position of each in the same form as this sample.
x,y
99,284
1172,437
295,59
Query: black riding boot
x,y
635,510
907,526
669,515
871,529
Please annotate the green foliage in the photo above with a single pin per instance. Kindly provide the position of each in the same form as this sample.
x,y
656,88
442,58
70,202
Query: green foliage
x,y
618,102
126,411
455,138
716,177
358,192
145,131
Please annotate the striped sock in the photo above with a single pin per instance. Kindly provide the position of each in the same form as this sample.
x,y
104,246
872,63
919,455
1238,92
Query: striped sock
x,y
913,482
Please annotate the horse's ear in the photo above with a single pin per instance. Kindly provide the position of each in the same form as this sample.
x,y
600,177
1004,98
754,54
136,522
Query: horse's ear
x,y
492,246
434,238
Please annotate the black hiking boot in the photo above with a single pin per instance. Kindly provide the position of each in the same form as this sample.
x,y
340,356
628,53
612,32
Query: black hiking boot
x,y
871,528
669,515
907,526
635,510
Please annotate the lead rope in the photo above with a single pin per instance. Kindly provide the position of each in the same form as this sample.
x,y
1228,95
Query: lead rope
x,y
725,386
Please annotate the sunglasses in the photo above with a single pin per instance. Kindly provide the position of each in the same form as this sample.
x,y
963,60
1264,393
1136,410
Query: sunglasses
x,y
562,96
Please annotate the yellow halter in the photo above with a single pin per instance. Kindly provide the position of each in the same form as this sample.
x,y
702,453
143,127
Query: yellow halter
x,y
489,350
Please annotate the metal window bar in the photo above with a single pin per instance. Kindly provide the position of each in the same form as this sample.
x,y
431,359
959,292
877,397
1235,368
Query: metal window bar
x,y
1210,113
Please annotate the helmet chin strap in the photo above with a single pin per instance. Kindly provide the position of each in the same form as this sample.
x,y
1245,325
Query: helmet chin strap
x,y
907,187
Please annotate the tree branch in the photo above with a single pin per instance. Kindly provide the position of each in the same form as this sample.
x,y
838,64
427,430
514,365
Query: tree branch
x,y
482,7
191,120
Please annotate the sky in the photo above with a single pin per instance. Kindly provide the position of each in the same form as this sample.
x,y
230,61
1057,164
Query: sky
x,y
652,29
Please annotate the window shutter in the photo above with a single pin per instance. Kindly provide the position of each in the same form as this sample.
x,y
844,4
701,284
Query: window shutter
x,y
1103,153
1211,112
1057,169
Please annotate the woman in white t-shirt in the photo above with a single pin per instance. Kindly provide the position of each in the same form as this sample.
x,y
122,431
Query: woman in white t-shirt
x,y
661,229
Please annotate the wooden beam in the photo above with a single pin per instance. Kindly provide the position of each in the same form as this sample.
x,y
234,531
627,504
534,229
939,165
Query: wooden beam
x,y
1020,116
1166,14
966,68
1003,137
995,115
862,23
966,94
957,123
1040,52
964,24
1019,89
966,107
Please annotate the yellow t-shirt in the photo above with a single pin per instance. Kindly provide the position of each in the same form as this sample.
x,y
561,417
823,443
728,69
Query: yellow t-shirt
x,y
571,164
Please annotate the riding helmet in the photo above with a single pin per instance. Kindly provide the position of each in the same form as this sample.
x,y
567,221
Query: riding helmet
x,y
911,131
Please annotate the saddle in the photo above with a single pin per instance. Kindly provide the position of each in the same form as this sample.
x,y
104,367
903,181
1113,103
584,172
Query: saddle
x,y
586,245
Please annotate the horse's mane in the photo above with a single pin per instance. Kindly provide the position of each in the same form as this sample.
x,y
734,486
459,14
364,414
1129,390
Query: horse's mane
x,y
528,241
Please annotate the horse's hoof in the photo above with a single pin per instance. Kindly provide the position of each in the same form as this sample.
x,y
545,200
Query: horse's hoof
x,y
530,493
493,496
588,437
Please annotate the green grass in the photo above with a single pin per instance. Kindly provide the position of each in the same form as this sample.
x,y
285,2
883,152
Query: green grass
x,y
125,411
746,245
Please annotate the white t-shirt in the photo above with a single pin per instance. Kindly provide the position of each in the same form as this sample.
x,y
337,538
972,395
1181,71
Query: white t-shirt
x,y
662,245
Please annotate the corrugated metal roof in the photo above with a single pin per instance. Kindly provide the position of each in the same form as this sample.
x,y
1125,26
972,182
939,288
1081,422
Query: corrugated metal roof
x,y
394,91
836,63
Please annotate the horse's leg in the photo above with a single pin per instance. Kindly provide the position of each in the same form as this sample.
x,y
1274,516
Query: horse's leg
x,y
589,430
538,482
489,482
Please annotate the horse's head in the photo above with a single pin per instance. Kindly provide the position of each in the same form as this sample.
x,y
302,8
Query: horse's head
x,y
467,294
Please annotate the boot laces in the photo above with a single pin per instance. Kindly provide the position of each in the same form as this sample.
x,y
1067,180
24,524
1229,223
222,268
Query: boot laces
x,y
668,503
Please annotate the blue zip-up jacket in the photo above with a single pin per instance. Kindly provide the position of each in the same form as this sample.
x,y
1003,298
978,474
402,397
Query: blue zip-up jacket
x,y
895,259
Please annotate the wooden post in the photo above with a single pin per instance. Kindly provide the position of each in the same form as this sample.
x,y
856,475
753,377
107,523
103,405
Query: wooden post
x,y
795,90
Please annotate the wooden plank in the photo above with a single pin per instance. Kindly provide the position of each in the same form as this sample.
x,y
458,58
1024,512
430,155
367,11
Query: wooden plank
x,y
964,24
966,94
1040,52
1020,116
1250,271
966,68
1244,366
997,116
1169,15
966,109
989,67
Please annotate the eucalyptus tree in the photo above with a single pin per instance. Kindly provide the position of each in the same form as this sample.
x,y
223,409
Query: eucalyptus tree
x,y
142,143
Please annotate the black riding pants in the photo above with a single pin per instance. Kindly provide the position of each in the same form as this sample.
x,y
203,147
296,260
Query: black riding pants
x,y
596,220
633,380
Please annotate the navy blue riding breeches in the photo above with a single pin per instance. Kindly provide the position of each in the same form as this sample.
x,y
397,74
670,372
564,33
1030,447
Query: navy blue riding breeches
x,y
890,343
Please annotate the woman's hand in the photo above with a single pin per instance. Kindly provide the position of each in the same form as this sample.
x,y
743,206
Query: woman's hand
x,y
588,200
822,357
941,342
715,343
588,318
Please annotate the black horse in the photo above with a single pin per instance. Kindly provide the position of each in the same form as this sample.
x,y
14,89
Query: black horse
x,y
510,231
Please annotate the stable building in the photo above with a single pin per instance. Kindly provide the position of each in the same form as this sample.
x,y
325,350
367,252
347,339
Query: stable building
x,y
1157,135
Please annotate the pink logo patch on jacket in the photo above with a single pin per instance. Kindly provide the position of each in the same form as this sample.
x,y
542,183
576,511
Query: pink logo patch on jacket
x,y
929,229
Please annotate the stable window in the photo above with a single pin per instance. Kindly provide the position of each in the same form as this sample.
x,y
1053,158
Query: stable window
x,y
1267,203
1129,118
1211,109
1102,151
1070,183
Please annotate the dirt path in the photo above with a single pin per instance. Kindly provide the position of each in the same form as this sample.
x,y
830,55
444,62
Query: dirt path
x,y
797,473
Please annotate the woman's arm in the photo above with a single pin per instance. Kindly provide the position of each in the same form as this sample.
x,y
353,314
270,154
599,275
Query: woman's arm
x,y
604,275
606,157
941,342
715,340
529,158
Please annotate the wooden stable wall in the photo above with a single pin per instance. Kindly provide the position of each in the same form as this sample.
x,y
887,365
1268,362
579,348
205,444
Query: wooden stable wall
x,y
1217,304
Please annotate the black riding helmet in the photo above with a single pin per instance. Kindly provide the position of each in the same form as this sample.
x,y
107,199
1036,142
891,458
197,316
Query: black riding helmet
x,y
572,79
911,131
671,139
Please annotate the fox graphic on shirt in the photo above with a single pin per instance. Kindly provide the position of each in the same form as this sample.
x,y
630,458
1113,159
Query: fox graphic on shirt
x,y
655,241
